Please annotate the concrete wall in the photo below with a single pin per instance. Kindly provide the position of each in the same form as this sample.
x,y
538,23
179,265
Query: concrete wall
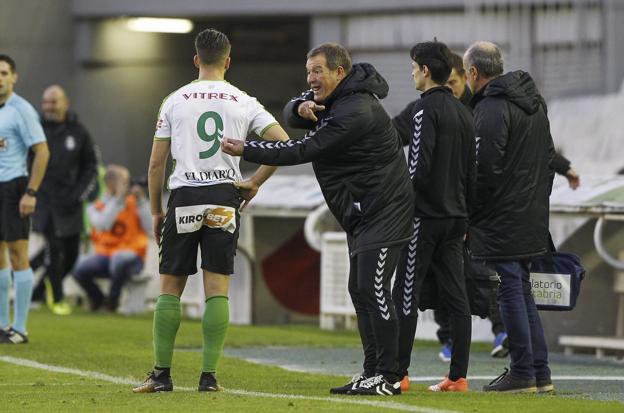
x,y
39,36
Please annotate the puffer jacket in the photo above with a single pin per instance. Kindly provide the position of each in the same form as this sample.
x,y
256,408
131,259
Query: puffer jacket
x,y
357,159
514,174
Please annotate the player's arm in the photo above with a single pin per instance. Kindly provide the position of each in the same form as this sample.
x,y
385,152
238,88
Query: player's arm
x,y
274,133
155,182
40,163
249,187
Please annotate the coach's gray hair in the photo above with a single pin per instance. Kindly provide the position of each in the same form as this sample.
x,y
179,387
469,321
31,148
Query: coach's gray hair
x,y
486,58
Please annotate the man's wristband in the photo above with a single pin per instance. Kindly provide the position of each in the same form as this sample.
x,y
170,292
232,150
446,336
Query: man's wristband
x,y
31,192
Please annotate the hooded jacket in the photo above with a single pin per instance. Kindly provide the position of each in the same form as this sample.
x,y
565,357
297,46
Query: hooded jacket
x,y
70,176
514,170
357,159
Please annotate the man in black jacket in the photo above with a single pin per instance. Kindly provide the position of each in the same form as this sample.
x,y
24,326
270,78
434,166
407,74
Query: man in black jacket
x,y
362,173
457,81
442,166
71,175
509,223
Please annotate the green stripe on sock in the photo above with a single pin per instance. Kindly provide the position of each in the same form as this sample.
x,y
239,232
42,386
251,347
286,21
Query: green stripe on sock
x,y
214,326
167,317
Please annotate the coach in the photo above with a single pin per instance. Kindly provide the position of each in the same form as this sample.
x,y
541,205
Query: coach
x,y
362,173
509,224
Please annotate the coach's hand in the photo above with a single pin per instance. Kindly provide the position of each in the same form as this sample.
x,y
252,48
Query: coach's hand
x,y
157,222
232,147
306,110
248,189
574,180
27,205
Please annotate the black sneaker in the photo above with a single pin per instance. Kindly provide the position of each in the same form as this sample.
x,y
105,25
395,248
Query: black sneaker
x,y
352,385
377,386
156,381
506,383
208,382
544,385
12,336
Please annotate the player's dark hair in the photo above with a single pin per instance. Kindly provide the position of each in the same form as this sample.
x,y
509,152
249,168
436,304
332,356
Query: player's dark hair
x,y
9,60
212,46
457,63
335,54
436,56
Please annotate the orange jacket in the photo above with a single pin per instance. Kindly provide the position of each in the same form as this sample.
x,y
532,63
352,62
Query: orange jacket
x,y
125,234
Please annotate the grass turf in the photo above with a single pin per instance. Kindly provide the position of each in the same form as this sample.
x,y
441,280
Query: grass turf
x,y
121,347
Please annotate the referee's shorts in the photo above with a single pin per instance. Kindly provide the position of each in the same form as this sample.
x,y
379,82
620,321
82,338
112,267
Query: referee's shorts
x,y
12,226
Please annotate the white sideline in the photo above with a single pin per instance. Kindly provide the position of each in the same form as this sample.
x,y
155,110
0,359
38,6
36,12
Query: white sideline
x,y
554,378
130,381
302,369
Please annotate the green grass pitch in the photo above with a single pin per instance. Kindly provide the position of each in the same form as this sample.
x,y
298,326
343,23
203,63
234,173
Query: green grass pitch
x,y
120,348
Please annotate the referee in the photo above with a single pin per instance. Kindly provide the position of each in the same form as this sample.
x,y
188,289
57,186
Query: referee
x,y
20,131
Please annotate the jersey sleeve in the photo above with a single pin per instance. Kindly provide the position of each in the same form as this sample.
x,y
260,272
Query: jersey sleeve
x,y
259,118
30,128
163,122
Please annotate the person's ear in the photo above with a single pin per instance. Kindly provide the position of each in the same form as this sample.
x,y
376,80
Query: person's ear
x,y
196,61
340,73
426,71
473,72
228,61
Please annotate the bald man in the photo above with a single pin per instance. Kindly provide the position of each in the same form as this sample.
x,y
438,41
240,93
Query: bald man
x,y
509,220
69,179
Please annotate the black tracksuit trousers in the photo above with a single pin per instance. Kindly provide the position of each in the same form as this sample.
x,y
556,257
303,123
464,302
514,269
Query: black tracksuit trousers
x,y
370,277
437,241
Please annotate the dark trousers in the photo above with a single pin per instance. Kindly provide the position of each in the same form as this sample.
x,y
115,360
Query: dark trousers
x,y
59,257
527,345
441,317
119,267
370,277
437,241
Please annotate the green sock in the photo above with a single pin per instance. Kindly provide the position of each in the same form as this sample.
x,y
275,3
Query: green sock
x,y
214,325
167,317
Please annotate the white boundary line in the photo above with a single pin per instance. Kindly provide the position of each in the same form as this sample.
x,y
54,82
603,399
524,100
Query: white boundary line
x,y
569,378
302,369
129,381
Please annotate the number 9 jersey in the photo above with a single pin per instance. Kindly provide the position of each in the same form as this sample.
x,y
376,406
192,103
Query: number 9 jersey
x,y
195,118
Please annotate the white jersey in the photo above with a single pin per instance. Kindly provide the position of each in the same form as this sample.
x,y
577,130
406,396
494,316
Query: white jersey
x,y
195,118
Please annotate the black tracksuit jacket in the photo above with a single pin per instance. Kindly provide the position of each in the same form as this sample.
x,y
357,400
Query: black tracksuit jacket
x,y
515,170
439,130
70,176
357,159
